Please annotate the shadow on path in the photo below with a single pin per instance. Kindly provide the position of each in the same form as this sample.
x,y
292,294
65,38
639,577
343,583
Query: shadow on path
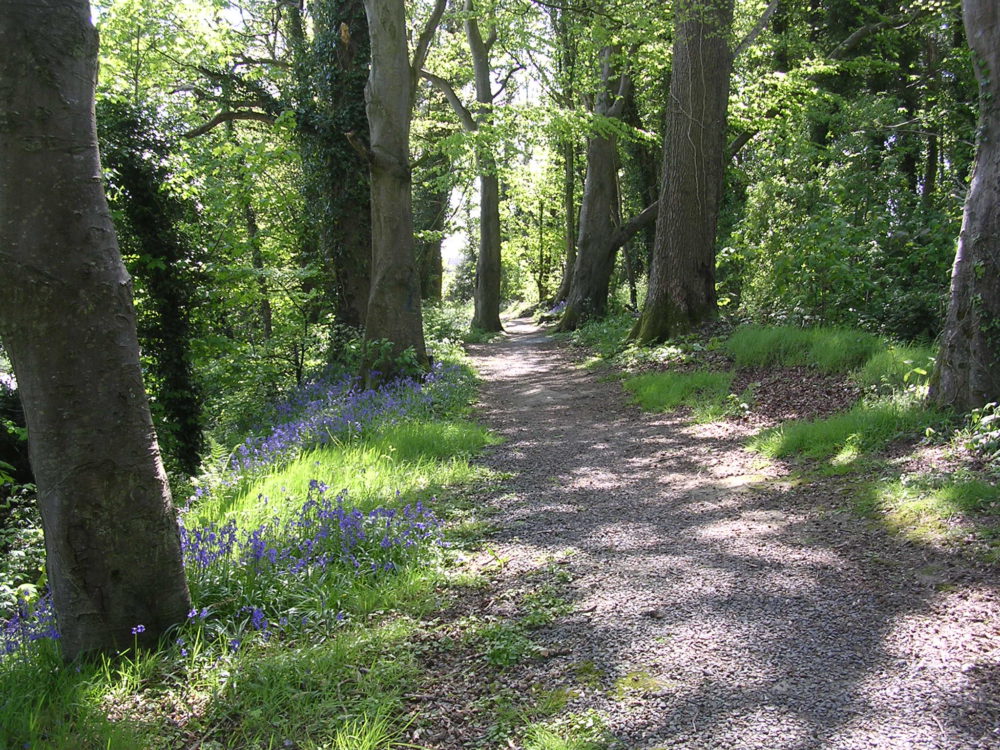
x,y
756,613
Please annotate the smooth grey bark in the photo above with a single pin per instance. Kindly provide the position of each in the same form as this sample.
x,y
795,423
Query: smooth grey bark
x,y
486,316
599,210
394,312
968,365
682,276
67,321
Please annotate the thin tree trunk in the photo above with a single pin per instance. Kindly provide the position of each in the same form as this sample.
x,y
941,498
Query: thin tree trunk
x,y
968,365
682,277
66,318
569,209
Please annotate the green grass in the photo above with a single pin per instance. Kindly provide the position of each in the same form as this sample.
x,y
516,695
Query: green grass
x,y
401,463
827,349
339,654
705,391
934,508
844,438
896,368
606,336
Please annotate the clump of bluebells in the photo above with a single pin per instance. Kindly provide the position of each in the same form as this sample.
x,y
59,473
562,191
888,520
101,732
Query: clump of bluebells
x,y
324,533
322,412
31,622
244,572
323,542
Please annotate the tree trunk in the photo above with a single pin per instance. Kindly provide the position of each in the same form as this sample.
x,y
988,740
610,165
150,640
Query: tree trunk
x,y
394,303
569,208
595,257
66,317
968,365
488,269
331,75
487,299
682,277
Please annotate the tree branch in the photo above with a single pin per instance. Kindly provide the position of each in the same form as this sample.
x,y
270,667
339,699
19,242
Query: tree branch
x,y
761,24
229,116
423,45
506,80
464,115
627,230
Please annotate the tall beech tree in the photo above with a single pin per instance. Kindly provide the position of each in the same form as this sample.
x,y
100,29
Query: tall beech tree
x,y
394,303
682,276
486,316
968,366
67,321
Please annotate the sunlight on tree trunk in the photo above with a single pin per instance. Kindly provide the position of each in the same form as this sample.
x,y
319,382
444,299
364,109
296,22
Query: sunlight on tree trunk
x,y
968,367
66,318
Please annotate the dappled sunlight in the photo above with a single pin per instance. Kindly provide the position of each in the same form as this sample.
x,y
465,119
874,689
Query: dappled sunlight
x,y
721,600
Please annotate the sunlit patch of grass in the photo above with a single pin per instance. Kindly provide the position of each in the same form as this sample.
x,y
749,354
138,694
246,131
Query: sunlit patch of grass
x,y
407,461
845,438
703,390
896,367
46,704
586,730
936,508
827,349
318,694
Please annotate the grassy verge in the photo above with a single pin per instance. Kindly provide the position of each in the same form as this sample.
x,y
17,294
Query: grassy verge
x,y
311,556
940,509
844,438
706,392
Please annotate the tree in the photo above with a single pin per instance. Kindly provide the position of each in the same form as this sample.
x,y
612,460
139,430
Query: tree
x,y
599,211
682,277
67,321
394,303
487,297
968,366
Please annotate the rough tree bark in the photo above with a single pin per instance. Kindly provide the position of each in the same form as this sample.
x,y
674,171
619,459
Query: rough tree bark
x,y
394,303
682,277
66,318
968,365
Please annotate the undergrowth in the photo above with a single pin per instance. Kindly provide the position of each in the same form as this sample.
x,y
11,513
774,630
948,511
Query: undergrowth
x,y
311,551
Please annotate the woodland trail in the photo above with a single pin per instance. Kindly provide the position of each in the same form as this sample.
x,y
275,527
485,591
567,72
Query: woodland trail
x,y
714,604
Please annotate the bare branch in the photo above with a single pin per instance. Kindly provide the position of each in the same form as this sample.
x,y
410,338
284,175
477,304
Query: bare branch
x,y
423,45
229,116
464,115
506,80
755,32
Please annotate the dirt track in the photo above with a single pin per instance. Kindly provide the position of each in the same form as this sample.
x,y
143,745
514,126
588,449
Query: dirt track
x,y
716,605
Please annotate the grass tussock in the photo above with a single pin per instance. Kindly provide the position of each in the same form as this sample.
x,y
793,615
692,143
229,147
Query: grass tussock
x,y
938,508
843,438
704,391
896,367
827,349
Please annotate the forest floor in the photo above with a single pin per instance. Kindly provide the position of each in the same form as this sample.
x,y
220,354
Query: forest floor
x,y
654,579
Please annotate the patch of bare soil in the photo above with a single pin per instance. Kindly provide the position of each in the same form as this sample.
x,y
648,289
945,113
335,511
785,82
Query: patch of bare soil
x,y
712,601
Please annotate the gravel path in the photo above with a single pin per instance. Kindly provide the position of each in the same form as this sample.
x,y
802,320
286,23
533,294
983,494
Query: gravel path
x,y
718,605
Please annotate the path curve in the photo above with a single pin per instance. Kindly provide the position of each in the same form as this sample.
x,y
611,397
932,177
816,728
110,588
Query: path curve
x,y
716,606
